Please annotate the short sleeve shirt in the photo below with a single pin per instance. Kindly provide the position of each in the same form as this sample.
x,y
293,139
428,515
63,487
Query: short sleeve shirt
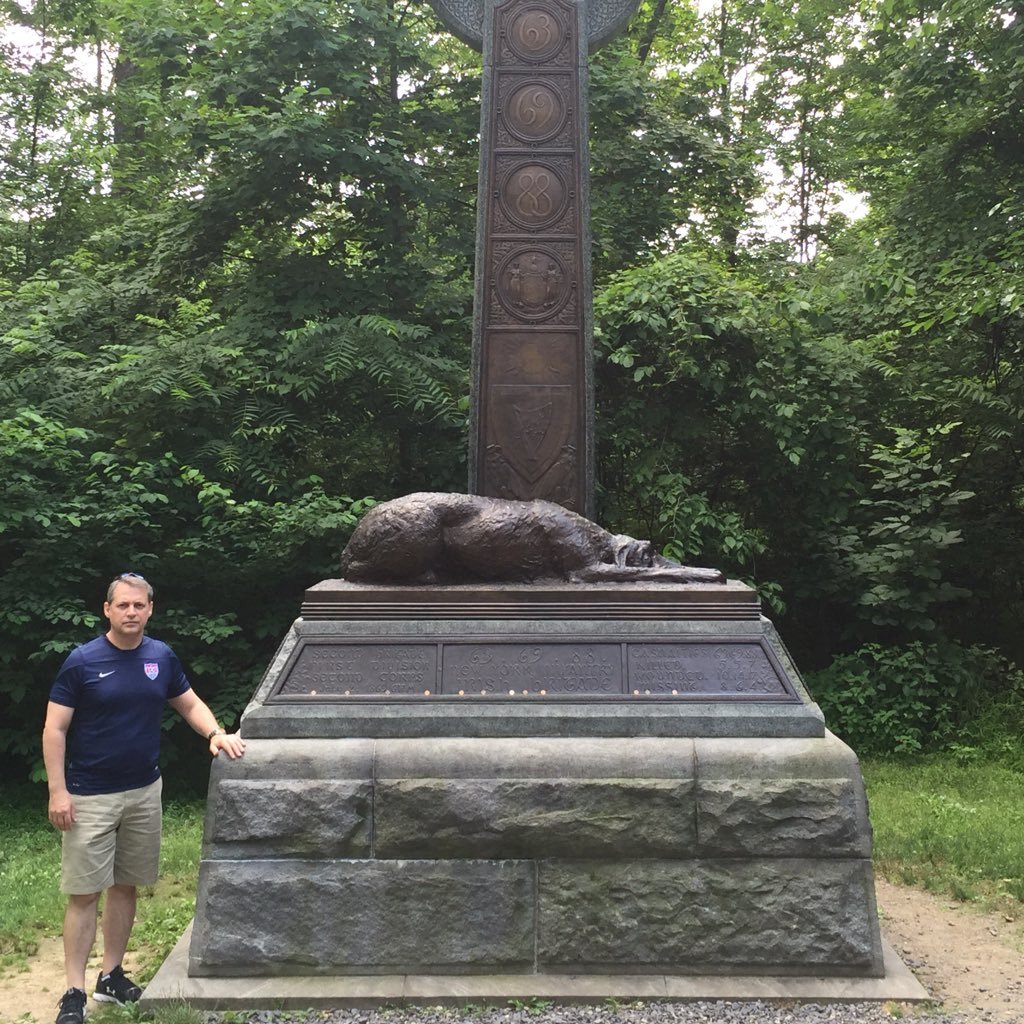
x,y
118,699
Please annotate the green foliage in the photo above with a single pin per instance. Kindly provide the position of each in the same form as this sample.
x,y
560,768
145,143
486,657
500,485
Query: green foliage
x,y
887,701
892,548
81,516
236,246
261,320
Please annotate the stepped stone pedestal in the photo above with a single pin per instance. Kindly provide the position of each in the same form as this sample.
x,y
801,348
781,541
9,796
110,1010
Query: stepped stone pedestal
x,y
535,782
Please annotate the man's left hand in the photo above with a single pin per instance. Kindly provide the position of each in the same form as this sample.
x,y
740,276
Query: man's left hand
x,y
231,743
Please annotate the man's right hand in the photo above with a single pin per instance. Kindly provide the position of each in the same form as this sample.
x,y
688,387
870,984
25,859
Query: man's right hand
x,y
62,810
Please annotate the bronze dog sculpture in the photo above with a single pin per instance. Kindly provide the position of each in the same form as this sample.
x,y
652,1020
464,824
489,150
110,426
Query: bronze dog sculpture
x,y
429,538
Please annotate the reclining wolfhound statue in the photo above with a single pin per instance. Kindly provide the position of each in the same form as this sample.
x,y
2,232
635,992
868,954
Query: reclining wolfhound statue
x,y
442,539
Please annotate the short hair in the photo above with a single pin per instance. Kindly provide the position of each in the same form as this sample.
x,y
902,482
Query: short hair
x,y
134,580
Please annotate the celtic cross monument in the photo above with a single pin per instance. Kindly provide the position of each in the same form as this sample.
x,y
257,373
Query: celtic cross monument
x,y
573,787
532,422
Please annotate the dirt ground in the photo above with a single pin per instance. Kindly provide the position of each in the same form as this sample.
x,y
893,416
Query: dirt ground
x,y
969,961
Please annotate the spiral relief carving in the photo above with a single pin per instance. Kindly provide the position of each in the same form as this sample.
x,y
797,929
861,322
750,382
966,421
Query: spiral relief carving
x,y
536,34
533,195
534,112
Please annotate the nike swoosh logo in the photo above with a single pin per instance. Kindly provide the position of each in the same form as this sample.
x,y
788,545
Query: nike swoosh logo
x,y
103,675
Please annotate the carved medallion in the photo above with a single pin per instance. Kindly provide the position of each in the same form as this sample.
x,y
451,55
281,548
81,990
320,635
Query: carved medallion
x,y
604,19
533,283
536,34
533,195
534,112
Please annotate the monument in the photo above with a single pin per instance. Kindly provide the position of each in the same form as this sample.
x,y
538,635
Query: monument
x,y
511,754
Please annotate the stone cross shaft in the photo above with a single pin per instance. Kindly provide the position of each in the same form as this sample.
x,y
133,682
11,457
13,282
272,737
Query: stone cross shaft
x,y
531,430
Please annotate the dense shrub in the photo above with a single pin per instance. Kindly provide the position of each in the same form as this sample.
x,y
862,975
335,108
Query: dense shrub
x,y
922,697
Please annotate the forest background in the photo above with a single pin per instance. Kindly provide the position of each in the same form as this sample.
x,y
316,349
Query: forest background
x,y
236,244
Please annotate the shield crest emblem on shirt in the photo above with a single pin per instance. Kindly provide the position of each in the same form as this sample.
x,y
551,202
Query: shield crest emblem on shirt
x,y
152,669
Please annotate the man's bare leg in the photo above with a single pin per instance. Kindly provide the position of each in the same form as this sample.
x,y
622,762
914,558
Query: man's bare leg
x,y
118,918
79,935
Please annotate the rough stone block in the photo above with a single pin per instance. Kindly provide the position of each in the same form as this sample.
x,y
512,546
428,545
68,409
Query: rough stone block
x,y
290,817
265,918
741,916
780,818
780,798
534,818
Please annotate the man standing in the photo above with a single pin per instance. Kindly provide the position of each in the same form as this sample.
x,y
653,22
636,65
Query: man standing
x,y
101,744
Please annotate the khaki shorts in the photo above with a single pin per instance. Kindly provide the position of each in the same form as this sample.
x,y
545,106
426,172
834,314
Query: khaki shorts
x,y
115,840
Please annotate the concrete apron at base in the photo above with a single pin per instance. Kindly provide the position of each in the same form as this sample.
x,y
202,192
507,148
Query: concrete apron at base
x,y
172,985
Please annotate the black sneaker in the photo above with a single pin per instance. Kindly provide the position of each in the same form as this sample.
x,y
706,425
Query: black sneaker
x,y
116,987
72,1007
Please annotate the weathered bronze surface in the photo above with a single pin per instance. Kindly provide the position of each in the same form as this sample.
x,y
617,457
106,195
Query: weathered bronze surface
x,y
428,538
525,667
532,414
343,601
531,374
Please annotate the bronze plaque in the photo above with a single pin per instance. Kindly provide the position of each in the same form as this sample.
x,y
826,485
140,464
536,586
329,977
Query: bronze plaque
x,y
531,425
534,357
740,669
513,670
386,670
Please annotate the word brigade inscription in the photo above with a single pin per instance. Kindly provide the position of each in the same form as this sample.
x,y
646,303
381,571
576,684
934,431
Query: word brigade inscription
x,y
511,667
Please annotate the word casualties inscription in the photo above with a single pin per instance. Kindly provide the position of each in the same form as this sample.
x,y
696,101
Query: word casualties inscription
x,y
516,667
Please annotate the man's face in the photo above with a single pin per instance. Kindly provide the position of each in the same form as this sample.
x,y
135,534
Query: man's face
x,y
128,612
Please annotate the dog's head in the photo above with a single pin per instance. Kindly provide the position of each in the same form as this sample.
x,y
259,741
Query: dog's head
x,y
633,552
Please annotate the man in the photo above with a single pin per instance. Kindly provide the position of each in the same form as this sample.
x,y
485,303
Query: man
x,y
103,719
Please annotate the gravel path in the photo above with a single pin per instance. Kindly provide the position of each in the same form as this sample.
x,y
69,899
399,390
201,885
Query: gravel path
x,y
634,1013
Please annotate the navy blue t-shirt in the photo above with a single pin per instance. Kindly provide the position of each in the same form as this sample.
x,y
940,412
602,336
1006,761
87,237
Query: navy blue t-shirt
x,y
118,698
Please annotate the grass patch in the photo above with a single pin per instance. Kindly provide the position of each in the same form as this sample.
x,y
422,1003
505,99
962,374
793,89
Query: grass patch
x,y
33,905
165,910
954,829
176,1013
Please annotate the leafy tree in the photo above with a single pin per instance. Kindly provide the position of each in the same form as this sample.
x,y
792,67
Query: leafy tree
x,y
236,247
